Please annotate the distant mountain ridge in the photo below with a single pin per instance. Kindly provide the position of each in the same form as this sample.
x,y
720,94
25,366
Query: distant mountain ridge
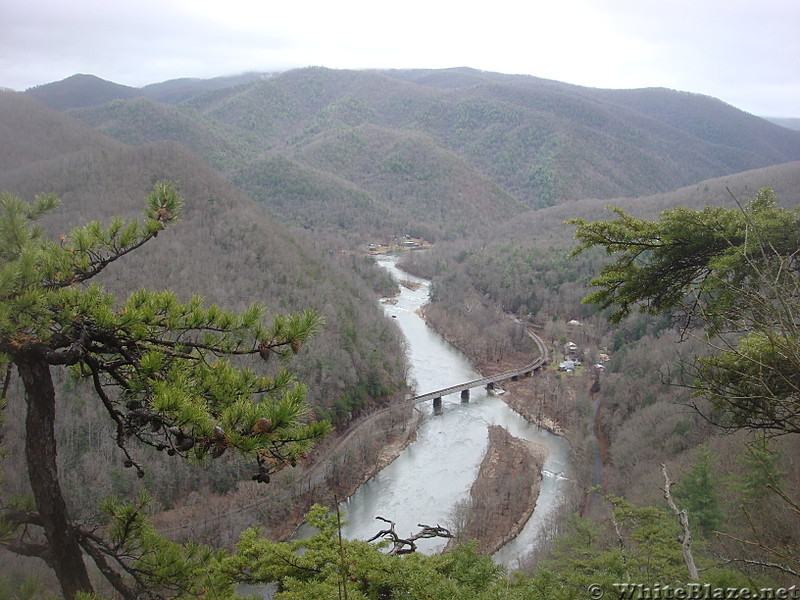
x,y
30,132
435,152
784,122
82,90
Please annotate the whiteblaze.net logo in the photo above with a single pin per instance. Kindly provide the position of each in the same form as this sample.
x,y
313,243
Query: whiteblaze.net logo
x,y
692,591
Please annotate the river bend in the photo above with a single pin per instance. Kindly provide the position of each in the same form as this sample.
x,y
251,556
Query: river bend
x,y
437,470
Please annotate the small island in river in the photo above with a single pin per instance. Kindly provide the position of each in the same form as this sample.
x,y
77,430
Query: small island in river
x,y
504,494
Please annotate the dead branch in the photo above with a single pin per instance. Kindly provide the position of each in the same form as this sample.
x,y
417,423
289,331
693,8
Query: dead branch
x,y
408,545
683,520
763,564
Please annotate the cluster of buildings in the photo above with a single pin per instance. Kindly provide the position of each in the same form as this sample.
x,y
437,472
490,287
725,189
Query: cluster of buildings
x,y
399,243
572,360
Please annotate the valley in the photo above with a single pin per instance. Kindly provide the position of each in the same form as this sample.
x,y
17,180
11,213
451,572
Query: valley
x,y
298,185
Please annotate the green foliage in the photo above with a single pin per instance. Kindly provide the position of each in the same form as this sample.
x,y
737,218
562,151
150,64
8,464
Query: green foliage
x,y
323,566
689,256
644,549
658,261
729,271
160,352
697,492
159,566
638,546
22,587
160,368
762,472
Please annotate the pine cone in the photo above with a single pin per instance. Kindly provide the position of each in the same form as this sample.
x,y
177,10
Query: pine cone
x,y
218,450
185,444
262,426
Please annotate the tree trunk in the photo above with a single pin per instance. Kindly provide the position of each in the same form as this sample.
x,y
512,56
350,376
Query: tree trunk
x,y
66,557
683,521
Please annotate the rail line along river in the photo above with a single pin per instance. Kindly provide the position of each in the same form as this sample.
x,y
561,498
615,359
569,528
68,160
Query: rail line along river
x,y
437,470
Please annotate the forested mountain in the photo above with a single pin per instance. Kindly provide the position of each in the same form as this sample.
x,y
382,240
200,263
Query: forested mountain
x,y
225,248
88,90
284,174
439,150
80,90
176,90
645,414
526,268
32,134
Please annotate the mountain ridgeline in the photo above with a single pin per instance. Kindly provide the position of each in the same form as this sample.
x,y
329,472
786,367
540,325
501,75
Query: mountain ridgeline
x,y
434,153
225,247
342,157
288,176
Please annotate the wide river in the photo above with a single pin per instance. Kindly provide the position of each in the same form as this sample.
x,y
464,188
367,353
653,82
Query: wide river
x,y
436,471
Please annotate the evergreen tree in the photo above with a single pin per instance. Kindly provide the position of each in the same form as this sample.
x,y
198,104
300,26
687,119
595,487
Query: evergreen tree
x,y
160,367
325,566
733,273
729,277
697,493
762,472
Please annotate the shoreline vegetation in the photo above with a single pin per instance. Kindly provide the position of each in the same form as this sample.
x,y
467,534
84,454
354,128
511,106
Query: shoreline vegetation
x,y
337,468
504,494
522,400
341,464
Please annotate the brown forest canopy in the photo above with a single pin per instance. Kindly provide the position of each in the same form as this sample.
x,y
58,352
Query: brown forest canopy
x,y
225,246
431,152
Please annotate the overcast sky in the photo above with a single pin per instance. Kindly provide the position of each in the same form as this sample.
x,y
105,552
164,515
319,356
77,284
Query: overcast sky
x,y
744,52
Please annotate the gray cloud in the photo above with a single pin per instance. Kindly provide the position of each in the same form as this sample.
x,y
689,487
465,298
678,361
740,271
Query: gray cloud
x,y
744,53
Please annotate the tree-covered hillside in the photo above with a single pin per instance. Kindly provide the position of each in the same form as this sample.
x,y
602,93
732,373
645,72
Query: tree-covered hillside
x,y
520,140
225,244
143,121
32,133
525,266
283,175
226,248
645,412
80,90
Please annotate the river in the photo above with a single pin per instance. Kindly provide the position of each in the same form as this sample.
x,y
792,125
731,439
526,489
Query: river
x,y
437,470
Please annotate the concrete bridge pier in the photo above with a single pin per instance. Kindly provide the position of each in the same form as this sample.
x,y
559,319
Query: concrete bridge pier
x,y
465,395
437,406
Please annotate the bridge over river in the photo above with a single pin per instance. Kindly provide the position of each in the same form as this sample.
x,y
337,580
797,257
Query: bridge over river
x,y
487,382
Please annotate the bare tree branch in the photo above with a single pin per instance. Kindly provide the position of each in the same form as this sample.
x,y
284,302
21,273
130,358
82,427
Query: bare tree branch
x,y
683,520
408,545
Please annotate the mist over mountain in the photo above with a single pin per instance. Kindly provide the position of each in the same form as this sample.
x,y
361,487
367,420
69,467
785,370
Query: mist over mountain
x,y
787,122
